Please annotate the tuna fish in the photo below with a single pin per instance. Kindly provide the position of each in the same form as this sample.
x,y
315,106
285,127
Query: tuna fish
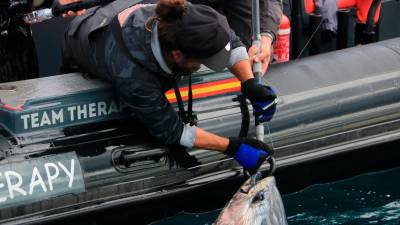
x,y
258,203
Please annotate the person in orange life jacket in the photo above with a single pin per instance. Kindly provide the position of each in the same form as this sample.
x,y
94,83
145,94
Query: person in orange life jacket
x,y
164,42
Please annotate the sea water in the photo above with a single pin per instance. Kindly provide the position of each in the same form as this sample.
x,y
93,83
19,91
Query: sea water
x,y
372,198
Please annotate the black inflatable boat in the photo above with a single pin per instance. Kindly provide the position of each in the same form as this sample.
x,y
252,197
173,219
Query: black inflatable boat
x,y
68,147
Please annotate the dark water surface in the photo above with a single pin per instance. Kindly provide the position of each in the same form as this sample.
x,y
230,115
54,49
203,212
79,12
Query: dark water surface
x,y
372,198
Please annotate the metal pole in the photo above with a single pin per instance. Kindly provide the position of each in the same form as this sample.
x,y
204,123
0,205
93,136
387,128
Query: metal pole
x,y
257,71
257,66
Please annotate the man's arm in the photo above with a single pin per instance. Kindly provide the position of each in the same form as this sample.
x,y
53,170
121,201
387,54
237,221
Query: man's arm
x,y
239,63
270,17
152,109
207,140
239,15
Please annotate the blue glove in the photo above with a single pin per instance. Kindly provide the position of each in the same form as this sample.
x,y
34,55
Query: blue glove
x,y
262,98
249,153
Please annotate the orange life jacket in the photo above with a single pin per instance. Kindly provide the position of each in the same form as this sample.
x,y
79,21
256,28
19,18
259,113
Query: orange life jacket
x,y
361,5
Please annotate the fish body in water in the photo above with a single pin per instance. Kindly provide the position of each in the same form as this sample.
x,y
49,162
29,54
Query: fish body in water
x,y
254,204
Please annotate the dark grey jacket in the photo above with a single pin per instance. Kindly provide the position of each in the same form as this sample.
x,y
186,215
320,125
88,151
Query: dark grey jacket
x,y
140,83
238,13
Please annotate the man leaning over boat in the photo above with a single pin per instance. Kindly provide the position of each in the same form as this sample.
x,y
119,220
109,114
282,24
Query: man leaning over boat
x,y
143,49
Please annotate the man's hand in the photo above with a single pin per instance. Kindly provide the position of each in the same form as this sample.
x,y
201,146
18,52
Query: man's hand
x,y
265,54
71,13
262,99
248,152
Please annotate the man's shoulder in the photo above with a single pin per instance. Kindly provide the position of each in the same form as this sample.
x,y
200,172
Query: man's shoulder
x,y
139,14
138,38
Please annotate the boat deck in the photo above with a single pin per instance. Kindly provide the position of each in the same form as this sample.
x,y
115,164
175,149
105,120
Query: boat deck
x,y
20,93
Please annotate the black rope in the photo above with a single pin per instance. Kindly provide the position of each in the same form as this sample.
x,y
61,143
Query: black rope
x,y
189,116
371,15
190,102
179,101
